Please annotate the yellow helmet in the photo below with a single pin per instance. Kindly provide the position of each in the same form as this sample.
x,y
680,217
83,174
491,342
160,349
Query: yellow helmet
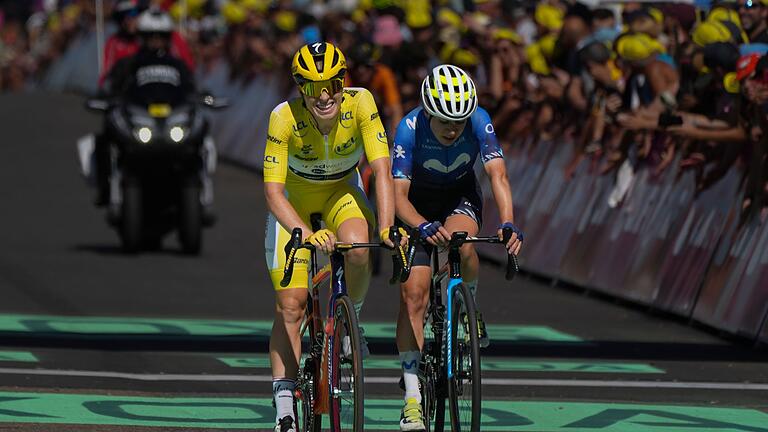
x,y
318,62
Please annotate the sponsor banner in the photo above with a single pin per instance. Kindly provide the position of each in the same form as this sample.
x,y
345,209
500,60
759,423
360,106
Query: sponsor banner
x,y
670,200
693,240
579,256
734,297
543,208
640,235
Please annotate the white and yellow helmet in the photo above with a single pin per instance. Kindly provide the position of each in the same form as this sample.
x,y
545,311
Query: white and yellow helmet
x,y
449,93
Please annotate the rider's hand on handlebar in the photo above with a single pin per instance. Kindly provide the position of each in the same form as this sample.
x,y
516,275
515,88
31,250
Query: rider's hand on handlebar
x,y
323,239
435,233
384,236
515,242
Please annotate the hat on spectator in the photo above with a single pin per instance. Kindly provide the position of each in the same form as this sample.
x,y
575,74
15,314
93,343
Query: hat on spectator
x,y
285,20
448,17
709,32
194,8
233,12
464,58
418,13
548,16
637,46
260,6
387,31
506,33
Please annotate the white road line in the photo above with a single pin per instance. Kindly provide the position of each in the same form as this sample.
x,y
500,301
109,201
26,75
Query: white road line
x,y
393,380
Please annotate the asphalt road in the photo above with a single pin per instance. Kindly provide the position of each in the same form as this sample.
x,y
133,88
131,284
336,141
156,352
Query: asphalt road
x,y
96,340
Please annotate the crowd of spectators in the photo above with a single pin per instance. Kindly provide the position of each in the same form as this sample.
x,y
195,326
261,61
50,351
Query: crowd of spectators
x,y
656,86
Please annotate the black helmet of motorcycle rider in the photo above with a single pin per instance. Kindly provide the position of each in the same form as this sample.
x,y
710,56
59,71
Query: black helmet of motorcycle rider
x,y
155,28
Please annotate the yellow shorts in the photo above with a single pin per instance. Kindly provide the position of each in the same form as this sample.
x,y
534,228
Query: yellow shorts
x,y
336,203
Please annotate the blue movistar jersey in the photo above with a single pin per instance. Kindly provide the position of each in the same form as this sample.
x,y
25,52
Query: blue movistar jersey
x,y
418,155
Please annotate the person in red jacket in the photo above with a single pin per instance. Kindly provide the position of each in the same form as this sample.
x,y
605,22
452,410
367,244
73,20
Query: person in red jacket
x,y
125,43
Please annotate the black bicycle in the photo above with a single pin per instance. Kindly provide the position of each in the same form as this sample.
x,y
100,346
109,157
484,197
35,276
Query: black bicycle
x,y
450,359
331,380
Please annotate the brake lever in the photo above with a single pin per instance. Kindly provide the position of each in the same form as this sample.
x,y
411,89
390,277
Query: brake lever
x,y
512,264
397,261
290,253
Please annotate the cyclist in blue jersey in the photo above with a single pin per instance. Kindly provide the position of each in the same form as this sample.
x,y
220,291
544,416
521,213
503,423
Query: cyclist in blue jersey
x,y
436,190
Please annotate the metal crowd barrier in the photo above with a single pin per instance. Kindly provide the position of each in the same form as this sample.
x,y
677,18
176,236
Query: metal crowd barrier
x,y
664,245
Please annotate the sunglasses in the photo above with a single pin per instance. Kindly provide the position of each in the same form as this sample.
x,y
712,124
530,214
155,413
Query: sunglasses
x,y
315,88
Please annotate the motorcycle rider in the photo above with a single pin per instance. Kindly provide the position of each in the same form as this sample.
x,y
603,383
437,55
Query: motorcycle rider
x,y
125,42
153,74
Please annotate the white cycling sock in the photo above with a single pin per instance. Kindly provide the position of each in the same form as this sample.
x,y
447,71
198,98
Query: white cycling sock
x,y
409,361
472,285
282,391
358,308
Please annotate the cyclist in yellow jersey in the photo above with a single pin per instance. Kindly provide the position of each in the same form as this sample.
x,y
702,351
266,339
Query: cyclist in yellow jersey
x,y
310,166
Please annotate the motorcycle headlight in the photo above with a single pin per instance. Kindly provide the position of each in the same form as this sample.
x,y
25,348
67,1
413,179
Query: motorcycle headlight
x,y
143,134
176,133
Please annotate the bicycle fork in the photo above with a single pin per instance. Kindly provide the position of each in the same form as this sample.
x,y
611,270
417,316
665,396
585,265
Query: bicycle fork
x,y
338,288
454,258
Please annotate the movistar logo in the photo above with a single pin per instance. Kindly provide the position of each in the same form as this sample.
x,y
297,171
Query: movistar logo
x,y
436,165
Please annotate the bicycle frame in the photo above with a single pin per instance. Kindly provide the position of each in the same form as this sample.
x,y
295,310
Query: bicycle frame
x,y
452,268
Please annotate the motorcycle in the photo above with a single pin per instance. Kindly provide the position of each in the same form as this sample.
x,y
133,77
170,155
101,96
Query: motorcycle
x,y
161,159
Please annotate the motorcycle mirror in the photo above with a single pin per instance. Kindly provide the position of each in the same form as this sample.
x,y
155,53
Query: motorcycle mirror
x,y
97,104
213,102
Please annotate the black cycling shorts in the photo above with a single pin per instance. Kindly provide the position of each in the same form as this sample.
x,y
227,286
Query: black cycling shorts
x,y
439,204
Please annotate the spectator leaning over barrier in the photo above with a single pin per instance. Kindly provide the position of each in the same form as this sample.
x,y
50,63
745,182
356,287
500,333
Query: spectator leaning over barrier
x,y
715,133
752,72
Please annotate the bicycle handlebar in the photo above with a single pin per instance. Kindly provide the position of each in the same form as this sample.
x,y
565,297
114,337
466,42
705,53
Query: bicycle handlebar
x,y
458,238
401,268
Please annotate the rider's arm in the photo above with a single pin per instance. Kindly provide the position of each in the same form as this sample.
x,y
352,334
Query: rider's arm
x,y
377,153
502,193
406,212
276,171
402,170
493,162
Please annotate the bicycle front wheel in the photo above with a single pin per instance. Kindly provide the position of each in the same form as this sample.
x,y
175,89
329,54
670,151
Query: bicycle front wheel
x,y
346,382
464,392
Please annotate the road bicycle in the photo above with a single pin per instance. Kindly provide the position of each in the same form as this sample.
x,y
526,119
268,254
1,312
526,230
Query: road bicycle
x,y
450,360
331,378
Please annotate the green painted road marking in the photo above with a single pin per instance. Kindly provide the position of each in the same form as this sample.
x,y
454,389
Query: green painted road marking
x,y
489,365
256,329
243,413
17,356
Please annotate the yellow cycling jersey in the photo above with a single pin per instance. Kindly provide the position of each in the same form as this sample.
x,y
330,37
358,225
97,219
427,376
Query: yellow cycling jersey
x,y
296,150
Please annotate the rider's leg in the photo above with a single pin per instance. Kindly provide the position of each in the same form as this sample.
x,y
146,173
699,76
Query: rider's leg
x,y
470,263
285,346
414,297
290,302
357,268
